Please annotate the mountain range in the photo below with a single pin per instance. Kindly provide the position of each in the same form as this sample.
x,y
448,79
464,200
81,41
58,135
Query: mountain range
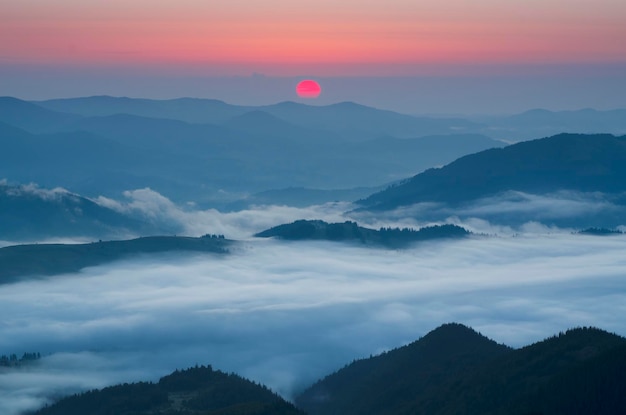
x,y
577,162
543,123
451,370
211,152
356,120
350,120
584,172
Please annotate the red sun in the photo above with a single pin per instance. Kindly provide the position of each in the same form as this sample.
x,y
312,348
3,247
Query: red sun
x,y
308,89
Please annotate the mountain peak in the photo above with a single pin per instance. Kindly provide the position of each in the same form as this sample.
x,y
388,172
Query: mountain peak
x,y
453,332
384,383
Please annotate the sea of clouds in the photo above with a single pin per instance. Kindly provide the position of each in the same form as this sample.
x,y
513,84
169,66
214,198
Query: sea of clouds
x,y
286,314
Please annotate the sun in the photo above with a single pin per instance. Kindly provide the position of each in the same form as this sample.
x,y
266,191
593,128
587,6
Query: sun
x,y
308,89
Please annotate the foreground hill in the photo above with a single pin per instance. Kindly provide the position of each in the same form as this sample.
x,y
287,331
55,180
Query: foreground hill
x,y
451,370
351,232
20,261
195,391
454,370
583,163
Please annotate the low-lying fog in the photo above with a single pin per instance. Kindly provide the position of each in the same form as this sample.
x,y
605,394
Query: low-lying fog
x,y
285,314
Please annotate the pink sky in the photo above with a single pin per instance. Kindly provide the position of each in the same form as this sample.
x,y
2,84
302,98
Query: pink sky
x,y
325,37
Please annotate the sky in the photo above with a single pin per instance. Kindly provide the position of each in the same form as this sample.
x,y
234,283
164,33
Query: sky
x,y
56,48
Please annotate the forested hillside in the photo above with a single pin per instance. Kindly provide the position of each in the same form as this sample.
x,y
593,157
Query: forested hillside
x,y
196,391
454,370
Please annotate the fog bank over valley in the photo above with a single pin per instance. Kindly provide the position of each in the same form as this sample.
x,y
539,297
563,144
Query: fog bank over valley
x,y
285,314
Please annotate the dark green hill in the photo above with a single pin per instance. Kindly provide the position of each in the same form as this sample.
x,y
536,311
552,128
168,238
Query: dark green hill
x,y
22,261
581,371
384,384
600,232
564,374
584,163
351,232
195,391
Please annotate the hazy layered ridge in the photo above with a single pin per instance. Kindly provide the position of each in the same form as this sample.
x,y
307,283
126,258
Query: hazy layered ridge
x,y
286,315
210,151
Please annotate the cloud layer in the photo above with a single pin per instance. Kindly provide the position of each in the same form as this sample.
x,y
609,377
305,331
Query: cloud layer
x,y
286,314
504,214
150,205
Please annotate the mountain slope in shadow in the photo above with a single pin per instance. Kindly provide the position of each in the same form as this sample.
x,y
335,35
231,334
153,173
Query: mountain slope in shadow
x,y
566,181
453,370
195,391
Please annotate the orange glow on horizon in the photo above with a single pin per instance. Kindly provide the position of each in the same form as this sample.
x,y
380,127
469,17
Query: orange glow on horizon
x,y
318,33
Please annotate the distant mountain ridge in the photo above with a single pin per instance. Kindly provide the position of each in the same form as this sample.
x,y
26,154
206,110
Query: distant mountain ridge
x,y
209,152
531,124
192,110
347,117
541,123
